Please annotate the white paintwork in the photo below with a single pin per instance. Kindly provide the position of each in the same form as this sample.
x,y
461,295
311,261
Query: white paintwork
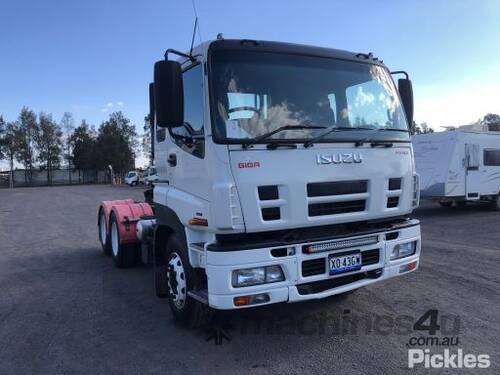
x,y
221,264
442,161
215,188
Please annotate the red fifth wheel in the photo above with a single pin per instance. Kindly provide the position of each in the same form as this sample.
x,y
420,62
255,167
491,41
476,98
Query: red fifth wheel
x,y
121,238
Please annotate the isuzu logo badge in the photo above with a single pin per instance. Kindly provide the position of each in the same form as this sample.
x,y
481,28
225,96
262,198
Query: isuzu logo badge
x,y
339,158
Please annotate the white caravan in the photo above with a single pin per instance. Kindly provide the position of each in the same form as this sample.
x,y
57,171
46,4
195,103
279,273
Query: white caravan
x,y
459,166
285,174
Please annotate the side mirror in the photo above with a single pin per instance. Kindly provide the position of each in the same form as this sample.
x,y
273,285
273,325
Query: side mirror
x,y
168,94
406,92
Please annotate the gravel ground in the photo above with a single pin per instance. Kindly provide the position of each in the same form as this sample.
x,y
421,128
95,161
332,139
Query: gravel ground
x,y
65,309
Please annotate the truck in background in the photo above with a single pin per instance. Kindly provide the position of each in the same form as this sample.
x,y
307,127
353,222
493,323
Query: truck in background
x,y
459,166
285,174
132,178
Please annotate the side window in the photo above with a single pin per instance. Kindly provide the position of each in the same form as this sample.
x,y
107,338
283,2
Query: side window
x,y
491,157
190,136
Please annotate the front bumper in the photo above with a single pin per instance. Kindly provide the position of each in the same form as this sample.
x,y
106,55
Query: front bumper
x,y
297,286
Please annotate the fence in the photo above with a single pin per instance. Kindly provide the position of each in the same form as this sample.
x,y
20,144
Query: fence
x,y
37,177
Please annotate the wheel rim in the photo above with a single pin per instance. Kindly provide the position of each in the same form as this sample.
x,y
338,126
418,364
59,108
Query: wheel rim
x,y
102,229
176,280
114,238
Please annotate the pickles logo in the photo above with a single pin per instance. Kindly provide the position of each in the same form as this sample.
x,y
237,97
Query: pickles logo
x,y
448,359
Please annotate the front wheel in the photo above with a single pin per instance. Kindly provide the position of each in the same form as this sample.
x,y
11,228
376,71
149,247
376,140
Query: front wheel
x,y
181,279
496,203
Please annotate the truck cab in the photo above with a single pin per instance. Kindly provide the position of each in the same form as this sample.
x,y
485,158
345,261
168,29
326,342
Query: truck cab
x,y
285,173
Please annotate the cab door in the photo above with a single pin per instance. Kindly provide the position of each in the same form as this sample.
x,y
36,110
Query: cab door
x,y
186,166
472,173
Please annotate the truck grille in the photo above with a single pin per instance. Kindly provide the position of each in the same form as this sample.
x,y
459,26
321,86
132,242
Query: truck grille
x,y
336,197
321,189
318,266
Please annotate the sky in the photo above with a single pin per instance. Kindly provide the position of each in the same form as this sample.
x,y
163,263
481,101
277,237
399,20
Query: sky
x,y
93,57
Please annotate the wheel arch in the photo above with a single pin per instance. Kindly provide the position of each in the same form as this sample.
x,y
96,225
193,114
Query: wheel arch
x,y
168,224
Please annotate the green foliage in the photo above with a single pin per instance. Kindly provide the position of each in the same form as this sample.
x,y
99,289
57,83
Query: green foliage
x,y
492,121
423,128
48,140
146,139
2,137
24,140
116,144
44,142
83,145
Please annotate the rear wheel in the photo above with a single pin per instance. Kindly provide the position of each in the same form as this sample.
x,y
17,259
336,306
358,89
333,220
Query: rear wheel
x,y
124,255
181,278
103,233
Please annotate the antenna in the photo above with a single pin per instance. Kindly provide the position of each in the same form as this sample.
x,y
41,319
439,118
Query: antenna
x,y
196,16
194,34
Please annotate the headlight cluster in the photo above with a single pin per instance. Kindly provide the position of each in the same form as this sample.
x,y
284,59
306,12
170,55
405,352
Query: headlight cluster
x,y
403,250
257,275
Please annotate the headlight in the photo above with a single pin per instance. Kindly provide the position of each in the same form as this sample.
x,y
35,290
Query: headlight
x,y
403,250
256,276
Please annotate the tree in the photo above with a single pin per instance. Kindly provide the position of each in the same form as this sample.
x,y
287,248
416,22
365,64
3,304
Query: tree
x,y
67,127
83,146
8,134
2,137
492,121
116,143
49,143
146,139
423,128
26,130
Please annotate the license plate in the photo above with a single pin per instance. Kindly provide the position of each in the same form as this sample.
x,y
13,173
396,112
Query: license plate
x,y
344,263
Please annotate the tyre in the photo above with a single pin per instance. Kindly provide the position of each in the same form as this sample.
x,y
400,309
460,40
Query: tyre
x,y
124,255
445,203
496,203
134,183
182,278
103,233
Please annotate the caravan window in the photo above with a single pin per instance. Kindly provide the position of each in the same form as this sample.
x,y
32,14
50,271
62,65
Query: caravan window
x,y
491,157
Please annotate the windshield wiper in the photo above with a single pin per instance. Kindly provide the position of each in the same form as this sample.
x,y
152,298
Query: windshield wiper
x,y
334,129
280,129
373,142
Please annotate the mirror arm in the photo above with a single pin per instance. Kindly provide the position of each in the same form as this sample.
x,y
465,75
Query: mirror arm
x,y
401,72
179,53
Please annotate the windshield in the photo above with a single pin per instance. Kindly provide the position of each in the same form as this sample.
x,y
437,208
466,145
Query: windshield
x,y
131,174
255,93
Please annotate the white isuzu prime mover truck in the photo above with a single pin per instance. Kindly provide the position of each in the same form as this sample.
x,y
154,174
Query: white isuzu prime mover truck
x,y
285,174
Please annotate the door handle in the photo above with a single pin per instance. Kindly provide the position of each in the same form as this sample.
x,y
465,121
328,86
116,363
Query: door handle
x,y
172,160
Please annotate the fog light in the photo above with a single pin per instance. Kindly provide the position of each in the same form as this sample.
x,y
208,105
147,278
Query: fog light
x,y
408,267
251,300
403,250
257,275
